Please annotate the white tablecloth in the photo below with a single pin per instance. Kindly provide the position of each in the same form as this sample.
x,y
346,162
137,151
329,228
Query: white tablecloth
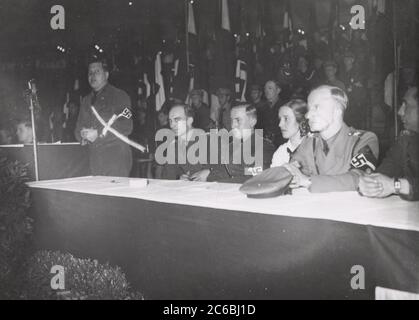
x,y
391,212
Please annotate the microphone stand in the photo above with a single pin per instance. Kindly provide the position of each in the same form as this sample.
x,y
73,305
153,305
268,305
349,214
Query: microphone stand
x,y
32,87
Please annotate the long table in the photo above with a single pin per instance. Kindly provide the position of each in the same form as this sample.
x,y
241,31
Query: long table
x,y
198,240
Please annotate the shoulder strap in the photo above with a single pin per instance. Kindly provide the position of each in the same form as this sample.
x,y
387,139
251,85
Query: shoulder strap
x,y
358,139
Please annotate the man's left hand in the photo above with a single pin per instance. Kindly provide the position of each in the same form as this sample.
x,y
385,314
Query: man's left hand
x,y
91,135
300,179
376,185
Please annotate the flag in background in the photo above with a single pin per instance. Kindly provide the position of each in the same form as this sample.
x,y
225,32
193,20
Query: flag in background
x,y
287,21
241,80
160,95
215,109
147,85
191,19
222,64
380,5
225,16
66,110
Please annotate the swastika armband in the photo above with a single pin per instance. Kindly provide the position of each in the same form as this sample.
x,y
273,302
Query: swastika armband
x,y
126,113
364,160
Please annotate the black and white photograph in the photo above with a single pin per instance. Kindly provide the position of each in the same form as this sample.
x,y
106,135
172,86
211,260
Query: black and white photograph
x,y
226,151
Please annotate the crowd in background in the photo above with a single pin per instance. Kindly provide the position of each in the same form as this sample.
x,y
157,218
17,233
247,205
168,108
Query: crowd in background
x,y
296,68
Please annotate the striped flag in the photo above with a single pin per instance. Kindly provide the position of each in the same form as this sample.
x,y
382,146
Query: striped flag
x,y
380,5
241,80
147,85
191,19
215,110
160,95
66,110
225,16
191,87
287,21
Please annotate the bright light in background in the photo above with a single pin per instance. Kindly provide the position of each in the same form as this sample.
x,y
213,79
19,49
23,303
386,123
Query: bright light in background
x,y
130,3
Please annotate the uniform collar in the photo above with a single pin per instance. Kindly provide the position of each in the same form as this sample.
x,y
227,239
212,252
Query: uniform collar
x,y
97,93
335,141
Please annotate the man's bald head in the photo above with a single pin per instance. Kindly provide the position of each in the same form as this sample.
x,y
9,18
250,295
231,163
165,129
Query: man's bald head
x,y
326,107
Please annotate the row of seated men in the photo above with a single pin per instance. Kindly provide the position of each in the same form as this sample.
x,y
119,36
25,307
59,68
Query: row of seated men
x,y
321,152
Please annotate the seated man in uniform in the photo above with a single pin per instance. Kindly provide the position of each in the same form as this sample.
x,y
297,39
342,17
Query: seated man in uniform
x,y
334,157
181,118
243,121
399,172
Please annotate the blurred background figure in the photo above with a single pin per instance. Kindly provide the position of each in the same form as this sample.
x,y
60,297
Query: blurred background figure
x,y
356,115
24,131
202,118
221,114
6,135
330,70
268,120
255,94
69,124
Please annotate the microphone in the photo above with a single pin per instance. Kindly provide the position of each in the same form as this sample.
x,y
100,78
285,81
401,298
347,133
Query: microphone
x,y
32,85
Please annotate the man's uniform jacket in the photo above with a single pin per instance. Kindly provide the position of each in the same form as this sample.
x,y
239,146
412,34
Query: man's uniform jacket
x,y
227,171
402,161
108,155
335,165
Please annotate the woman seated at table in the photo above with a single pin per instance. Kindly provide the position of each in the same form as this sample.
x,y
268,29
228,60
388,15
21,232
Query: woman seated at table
x,y
294,127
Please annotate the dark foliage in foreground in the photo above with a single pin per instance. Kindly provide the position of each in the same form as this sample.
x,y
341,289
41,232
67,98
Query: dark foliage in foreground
x,y
83,279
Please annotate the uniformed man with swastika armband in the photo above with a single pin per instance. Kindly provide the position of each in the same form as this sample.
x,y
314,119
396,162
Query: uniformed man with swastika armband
x,y
108,156
335,156
399,171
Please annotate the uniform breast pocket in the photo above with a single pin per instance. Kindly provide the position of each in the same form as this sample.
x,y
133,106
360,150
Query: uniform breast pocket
x,y
106,113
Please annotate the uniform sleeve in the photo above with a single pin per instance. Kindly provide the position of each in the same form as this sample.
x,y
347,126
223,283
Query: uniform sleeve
x,y
347,181
170,172
414,189
392,163
335,183
218,173
122,125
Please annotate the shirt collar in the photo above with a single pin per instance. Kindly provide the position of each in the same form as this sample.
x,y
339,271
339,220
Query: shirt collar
x,y
331,142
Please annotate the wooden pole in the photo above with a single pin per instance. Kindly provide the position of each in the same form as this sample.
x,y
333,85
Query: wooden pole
x,y
396,74
187,34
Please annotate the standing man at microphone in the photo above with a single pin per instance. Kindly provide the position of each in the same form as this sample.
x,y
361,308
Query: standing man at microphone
x,y
108,156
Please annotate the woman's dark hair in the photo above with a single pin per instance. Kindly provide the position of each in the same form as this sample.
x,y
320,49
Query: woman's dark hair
x,y
299,108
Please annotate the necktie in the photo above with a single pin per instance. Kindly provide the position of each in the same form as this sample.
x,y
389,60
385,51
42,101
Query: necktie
x,y
325,147
94,96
